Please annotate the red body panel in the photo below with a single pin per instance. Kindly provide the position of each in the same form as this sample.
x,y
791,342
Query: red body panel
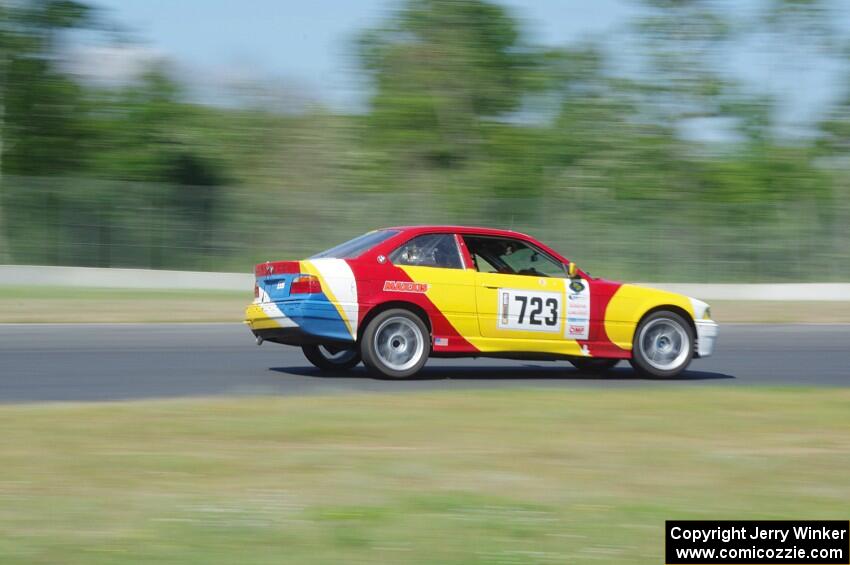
x,y
371,277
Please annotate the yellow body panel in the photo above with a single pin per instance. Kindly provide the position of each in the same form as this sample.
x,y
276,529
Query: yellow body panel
x,y
265,317
452,291
494,338
630,303
487,293
561,347
462,295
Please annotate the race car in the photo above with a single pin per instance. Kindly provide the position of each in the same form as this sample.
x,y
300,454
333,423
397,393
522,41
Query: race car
x,y
394,297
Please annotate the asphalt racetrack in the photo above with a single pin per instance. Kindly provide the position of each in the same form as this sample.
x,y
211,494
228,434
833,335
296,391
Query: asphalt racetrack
x,y
133,361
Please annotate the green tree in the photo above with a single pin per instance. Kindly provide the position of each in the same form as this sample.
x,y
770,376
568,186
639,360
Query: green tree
x,y
38,105
440,68
149,135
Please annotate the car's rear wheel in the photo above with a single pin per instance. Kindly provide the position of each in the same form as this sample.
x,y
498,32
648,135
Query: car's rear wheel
x,y
663,345
332,358
395,344
594,365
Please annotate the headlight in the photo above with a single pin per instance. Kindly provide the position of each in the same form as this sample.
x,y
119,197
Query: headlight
x,y
707,314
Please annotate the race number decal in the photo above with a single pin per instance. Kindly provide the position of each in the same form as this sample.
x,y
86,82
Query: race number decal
x,y
578,309
529,310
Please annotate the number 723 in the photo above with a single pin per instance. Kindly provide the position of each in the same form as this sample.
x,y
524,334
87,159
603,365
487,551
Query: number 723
x,y
529,310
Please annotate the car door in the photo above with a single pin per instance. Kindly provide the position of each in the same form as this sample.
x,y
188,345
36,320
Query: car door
x,y
522,297
435,267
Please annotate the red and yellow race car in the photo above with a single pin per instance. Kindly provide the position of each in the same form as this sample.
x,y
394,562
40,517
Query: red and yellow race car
x,y
396,296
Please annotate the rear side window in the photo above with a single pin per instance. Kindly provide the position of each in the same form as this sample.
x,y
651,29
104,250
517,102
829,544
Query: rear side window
x,y
355,247
432,250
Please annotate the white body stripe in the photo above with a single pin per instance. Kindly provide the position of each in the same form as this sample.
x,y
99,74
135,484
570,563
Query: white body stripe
x,y
338,278
273,312
699,308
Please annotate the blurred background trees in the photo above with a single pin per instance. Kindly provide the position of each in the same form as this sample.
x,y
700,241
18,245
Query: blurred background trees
x,y
646,156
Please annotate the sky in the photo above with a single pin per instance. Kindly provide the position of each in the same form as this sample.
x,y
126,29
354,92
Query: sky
x,y
306,44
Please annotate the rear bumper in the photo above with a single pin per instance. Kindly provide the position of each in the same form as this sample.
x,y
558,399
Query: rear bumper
x,y
297,322
293,336
707,331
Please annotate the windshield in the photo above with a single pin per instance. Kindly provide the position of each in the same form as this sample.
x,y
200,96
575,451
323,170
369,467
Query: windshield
x,y
355,247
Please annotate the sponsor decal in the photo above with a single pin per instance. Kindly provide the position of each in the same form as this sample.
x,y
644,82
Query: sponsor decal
x,y
579,308
441,341
281,285
578,311
405,286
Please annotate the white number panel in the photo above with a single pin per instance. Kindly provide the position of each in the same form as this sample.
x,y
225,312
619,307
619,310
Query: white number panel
x,y
529,310
578,309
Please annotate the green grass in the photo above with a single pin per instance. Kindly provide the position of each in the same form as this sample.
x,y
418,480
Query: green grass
x,y
567,476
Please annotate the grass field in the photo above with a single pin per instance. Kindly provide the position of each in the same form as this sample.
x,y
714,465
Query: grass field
x,y
567,476
61,305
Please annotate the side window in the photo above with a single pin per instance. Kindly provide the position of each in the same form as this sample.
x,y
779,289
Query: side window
x,y
432,250
511,257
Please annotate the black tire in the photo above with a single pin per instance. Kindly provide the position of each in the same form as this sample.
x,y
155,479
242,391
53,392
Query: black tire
x,y
324,358
647,346
594,365
399,335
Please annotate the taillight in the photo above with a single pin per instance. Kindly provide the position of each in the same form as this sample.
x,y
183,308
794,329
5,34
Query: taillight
x,y
256,291
305,284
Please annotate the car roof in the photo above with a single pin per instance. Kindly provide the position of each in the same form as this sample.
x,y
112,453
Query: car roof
x,y
406,232
459,229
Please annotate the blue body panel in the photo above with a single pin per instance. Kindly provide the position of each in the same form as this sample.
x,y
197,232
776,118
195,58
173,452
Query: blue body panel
x,y
315,314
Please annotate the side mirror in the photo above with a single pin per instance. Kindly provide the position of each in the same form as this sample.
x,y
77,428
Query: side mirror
x,y
571,269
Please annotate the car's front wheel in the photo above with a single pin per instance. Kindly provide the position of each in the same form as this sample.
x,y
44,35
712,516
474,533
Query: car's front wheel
x,y
663,345
395,344
330,358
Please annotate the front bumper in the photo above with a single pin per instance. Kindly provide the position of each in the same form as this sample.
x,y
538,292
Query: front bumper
x,y
707,331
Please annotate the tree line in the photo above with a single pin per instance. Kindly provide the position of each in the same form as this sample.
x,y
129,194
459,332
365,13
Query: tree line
x,y
464,106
